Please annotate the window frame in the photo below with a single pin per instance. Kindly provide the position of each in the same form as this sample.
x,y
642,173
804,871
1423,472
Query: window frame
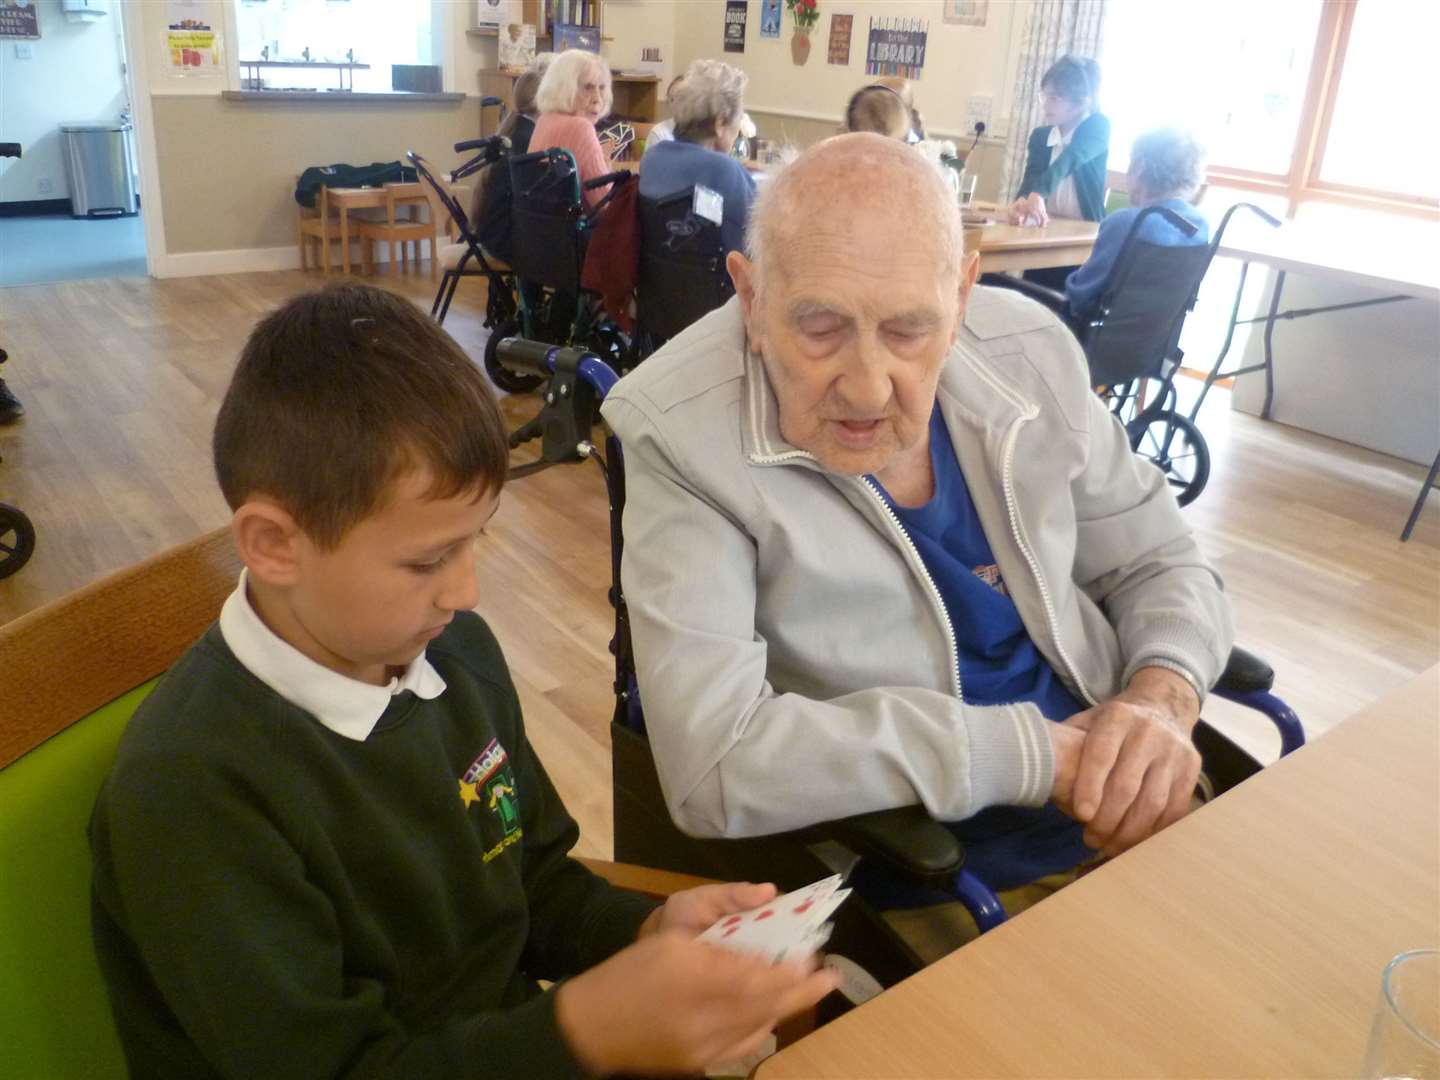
x,y
1301,183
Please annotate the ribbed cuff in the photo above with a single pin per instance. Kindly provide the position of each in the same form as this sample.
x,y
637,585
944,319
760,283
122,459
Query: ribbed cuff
x,y
1179,645
1012,762
1171,665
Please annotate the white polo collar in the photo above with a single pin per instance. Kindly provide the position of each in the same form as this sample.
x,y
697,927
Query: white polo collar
x,y
346,706
1055,139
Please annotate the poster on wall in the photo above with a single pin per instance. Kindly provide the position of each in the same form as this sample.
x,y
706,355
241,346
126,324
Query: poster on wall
x,y
18,20
897,47
190,40
770,18
840,28
736,12
966,12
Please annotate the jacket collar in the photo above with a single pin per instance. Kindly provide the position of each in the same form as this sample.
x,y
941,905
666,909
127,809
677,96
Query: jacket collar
x,y
969,382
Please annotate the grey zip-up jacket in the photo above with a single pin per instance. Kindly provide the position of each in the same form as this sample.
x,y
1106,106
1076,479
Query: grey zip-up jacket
x,y
796,662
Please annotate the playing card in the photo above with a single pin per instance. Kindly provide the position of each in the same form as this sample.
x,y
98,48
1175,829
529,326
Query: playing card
x,y
787,928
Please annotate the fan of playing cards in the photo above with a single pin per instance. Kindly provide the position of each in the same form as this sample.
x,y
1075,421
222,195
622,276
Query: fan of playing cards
x,y
790,927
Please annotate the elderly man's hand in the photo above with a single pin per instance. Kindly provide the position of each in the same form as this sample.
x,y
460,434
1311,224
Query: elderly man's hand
x,y
1137,766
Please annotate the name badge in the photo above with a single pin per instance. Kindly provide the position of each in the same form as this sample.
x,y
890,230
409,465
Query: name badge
x,y
709,204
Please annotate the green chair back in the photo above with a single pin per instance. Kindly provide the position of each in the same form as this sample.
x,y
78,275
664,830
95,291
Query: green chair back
x,y
74,673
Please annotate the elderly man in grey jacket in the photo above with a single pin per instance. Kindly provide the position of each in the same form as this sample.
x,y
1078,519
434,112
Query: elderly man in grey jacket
x,y
885,546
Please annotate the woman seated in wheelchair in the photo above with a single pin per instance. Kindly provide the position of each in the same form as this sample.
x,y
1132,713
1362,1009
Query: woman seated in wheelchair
x,y
1167,167
573,96
709,108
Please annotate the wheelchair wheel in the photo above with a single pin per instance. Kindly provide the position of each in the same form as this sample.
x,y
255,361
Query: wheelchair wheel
x,y
512,382
1174,445
610,344
17,539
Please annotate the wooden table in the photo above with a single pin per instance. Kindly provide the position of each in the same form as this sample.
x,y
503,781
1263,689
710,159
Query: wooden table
x,y
1064,242
411,193
1245,941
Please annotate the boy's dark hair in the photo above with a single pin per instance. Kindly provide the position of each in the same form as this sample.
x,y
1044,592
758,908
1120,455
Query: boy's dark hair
x,y
1075,78
338,394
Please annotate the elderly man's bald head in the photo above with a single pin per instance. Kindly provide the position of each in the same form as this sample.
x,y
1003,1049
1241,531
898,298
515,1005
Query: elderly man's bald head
x,y
834,181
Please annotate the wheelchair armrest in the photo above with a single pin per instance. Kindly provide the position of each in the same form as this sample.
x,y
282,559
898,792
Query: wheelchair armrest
x,y
1051,298
619,176
906,838
1245,672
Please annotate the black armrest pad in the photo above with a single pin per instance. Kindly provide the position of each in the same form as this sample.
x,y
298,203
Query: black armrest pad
x,y
906,838
1052,299
1244,672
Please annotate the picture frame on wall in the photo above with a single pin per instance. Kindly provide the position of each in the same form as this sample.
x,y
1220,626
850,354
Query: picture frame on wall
x,y
965,12
19,20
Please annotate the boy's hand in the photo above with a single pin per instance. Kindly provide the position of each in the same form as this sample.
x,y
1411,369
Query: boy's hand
x,y
694,911
672,1005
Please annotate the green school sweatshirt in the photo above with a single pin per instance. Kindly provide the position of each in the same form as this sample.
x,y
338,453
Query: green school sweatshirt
x,y
274,900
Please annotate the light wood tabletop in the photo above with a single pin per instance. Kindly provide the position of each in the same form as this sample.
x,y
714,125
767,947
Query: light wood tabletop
x,y
405,193
1245,941
1063,242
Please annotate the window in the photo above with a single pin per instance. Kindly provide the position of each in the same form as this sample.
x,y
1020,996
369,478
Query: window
x,y
1305,100
333,45
1382,132
1232,72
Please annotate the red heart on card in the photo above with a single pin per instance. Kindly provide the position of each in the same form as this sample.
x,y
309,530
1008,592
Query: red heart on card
x,y
765,914
732,920
806,906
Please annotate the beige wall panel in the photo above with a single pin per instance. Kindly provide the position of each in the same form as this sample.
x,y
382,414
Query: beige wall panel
x,y
228,168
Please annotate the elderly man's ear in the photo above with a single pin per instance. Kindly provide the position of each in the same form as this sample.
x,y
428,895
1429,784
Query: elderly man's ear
x,y
742,273
969,272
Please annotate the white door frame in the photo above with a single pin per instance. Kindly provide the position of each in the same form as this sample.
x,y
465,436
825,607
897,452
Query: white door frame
x,y
138,87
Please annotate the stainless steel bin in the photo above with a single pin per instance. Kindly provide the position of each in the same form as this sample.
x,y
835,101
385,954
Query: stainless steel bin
x,y
99,168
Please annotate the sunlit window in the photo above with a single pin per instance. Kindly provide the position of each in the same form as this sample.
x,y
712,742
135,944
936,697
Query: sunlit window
x,y
1232,72
334,45
1382,133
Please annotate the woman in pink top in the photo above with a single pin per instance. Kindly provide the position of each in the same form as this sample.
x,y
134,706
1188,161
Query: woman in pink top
x,y
573,96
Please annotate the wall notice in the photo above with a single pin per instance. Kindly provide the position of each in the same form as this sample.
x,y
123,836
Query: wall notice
x,y
190,40
736,12
897,47
18,20
840,30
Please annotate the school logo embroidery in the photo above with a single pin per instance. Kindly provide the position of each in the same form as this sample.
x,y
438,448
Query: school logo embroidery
x,y
489,780
990,575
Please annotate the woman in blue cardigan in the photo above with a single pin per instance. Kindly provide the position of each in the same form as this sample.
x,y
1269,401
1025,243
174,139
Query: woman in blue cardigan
x,y
1065,160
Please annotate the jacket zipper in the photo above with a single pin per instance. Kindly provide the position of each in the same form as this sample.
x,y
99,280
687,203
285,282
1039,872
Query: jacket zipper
x,y
930,581
1007,482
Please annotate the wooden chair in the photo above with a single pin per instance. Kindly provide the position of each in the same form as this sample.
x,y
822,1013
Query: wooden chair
x,y
320,226
74,673
397,231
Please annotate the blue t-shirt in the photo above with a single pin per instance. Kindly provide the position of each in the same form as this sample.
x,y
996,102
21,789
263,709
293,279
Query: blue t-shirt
x,y
1082,288
673,166
1005,846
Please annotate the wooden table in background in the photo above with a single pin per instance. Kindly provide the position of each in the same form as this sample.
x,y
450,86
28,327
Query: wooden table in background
x,y
410,193
1063,242
1247,940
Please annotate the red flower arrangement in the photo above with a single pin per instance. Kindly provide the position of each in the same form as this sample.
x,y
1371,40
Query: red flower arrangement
x,y
805,12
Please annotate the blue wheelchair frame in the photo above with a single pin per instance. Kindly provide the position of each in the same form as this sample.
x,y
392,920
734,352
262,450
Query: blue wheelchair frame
x,y
578,382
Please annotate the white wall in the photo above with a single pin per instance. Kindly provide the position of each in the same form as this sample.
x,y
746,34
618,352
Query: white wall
x,y
75,75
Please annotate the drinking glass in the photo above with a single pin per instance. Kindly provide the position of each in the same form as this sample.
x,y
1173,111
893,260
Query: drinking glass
x,y
1405,1039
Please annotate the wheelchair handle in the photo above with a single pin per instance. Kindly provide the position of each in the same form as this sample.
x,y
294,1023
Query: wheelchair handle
x,y
541,358
494,143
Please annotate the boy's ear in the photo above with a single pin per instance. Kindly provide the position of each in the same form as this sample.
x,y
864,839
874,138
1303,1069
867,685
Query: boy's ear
x,y
268,542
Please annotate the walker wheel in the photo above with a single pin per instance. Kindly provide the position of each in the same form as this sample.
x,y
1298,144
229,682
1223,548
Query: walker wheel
x,y
17,539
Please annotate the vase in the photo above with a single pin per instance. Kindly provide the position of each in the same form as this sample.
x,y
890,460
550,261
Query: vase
x,y
800,45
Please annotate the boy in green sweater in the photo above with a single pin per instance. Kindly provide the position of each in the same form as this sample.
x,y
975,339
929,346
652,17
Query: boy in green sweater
x,y
326,848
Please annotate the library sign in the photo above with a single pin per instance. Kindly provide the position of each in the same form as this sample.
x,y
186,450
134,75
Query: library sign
x,y
897,47
18,20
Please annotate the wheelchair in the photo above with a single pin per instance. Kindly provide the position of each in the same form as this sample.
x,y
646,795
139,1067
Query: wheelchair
x,y
682,270
502,309
1132,338
904,842
552,228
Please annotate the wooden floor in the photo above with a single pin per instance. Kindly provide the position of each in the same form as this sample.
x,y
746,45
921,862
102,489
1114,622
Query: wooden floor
x,y
122,378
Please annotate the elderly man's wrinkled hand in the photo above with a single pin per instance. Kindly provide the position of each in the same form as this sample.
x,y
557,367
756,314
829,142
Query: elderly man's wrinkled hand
x,y
1138,766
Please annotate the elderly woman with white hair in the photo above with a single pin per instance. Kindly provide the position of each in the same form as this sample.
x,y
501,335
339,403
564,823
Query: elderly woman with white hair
x,y
1167,167
709,113
573,96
